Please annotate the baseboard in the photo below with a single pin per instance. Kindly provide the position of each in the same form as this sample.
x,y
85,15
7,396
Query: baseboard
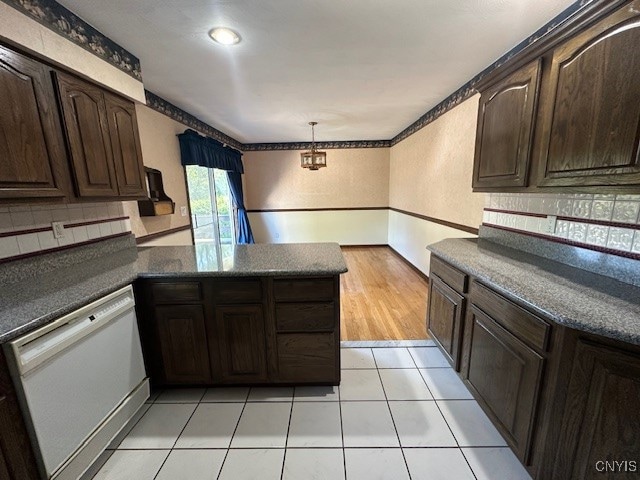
x,y
424,276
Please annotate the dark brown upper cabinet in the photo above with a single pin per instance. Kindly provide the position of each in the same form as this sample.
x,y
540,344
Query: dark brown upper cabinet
x,y
88,137
591,109
505,130
32,154
125,145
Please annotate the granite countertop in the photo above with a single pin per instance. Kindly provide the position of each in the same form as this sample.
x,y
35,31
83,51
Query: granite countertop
x,y
566,295
39,298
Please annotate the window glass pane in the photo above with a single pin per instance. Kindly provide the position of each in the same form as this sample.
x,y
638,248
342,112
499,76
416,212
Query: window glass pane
x,y
224,206
202,214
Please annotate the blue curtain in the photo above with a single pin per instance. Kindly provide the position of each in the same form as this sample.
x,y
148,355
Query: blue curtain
x,y
207,152
245,235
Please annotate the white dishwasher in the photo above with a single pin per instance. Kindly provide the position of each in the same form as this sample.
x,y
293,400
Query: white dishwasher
x,y
80,379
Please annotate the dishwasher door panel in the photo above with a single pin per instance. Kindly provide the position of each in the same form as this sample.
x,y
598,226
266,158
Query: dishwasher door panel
x,y
69,396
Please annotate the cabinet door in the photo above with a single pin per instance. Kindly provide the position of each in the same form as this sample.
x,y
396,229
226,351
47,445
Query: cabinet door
x,y
183,344
505,376
32,155
241,336
88,139
444,321
125,144
591,109
601,421
16,456
505,130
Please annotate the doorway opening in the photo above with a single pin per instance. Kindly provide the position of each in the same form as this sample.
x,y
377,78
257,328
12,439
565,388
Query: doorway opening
x,y
212,211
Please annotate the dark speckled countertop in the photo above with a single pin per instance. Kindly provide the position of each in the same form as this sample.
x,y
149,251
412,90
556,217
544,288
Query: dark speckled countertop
x,y
566,295
48,287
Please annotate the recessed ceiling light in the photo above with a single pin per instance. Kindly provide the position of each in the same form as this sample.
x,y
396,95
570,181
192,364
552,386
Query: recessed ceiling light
x,y
224,36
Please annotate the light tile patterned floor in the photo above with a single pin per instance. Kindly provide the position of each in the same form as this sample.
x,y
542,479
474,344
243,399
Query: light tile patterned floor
x,y
400,413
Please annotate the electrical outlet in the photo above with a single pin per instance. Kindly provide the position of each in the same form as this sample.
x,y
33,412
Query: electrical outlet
x,y
58,229
550,227
183,211
277,235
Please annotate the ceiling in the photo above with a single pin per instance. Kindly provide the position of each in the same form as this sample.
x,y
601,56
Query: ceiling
x,y
363,69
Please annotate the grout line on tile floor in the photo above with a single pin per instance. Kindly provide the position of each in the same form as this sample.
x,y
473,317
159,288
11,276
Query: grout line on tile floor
x,y
286,439
406,465
233,435
344,457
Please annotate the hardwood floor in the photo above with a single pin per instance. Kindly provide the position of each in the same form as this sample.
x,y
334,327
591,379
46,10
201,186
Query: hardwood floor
x,y
382,298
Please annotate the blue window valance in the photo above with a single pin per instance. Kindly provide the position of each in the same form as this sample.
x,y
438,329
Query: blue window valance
x,y
207,152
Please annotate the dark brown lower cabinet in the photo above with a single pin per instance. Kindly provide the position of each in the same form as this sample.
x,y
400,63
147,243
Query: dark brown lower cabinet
x,y
600,435
183,343
241,343
243,330
505,376
16,456
445,316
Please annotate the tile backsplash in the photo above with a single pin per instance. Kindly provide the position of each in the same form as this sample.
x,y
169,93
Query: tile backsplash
x,y
25,230
602,222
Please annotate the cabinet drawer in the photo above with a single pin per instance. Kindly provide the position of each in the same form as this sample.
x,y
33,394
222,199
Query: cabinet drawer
x,y
176,292
305,317
308,358
524,325
293,290
237,291
450,275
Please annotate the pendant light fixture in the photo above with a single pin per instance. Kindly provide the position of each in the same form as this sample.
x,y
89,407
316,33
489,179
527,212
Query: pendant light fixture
x,y
312,159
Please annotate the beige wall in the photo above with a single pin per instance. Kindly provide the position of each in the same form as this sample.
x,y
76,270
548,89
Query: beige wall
x,y
353,178
431,170
430,174
161,150
18,29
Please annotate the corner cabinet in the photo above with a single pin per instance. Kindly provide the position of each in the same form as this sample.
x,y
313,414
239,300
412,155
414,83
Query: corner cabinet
x,y
102,136
32,152
591,115
505,130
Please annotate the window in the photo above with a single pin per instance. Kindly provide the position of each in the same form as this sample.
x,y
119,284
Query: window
x,y
212,215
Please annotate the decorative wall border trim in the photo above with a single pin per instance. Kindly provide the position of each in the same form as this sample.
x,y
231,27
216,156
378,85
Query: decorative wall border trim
x,y
565,241
153,236
167,108
446,223
67,24
252,147
84,223
468,90
328,209
36,253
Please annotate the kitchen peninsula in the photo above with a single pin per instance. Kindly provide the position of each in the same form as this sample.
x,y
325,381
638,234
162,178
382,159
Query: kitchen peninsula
x,y
264,314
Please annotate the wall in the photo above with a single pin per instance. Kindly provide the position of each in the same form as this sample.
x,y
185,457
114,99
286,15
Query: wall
x,y
430,174
161,150
18,29
26,230
600,222
354,179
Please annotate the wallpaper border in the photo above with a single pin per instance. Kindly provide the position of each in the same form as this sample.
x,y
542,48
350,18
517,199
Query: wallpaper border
x,y
69,25
167,108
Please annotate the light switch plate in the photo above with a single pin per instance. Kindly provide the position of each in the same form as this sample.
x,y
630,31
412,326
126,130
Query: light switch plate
x,y
58,229
183,211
